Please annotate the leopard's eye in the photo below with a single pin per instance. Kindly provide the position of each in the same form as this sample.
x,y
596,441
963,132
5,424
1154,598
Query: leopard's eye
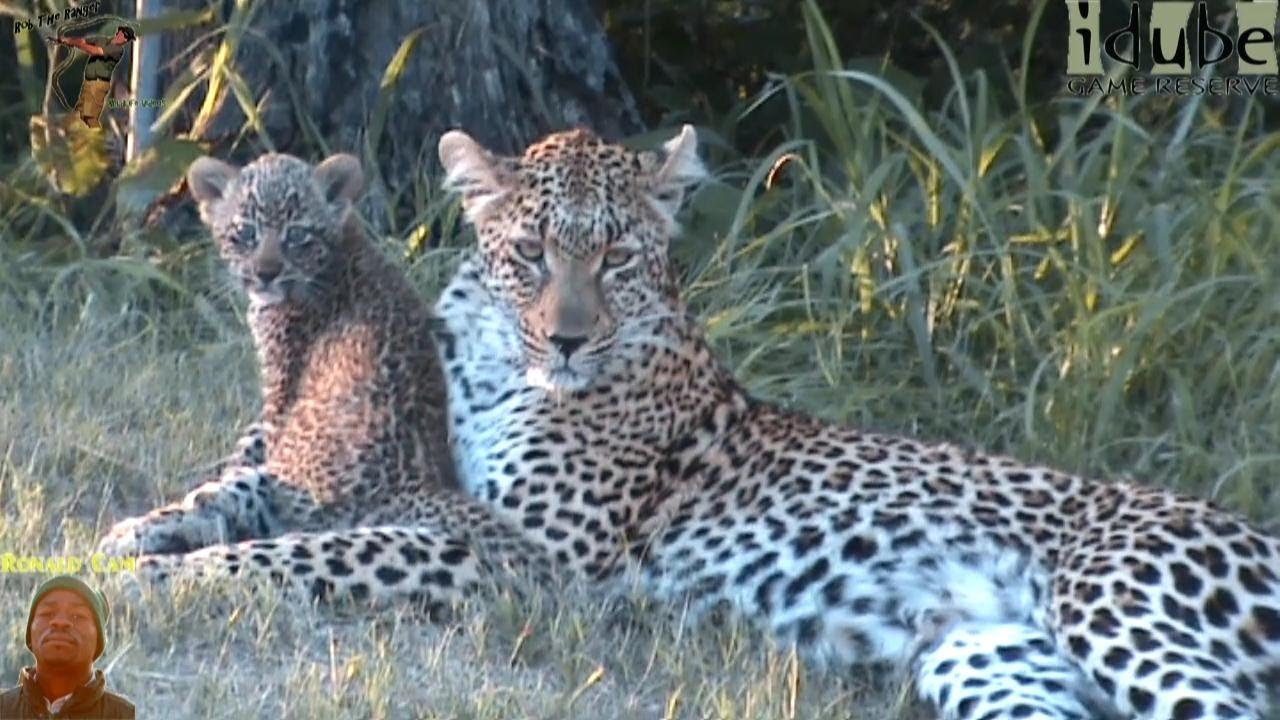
x,y
530,250
296,236
616,257
244,236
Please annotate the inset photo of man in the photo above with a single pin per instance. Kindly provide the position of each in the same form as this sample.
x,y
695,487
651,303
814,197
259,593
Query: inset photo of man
x,y
66,627
104,54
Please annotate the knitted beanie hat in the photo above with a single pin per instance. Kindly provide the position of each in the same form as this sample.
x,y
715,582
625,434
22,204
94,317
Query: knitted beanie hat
x,y
96,601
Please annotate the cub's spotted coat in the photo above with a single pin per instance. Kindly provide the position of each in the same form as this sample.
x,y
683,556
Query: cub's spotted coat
x,y
346,484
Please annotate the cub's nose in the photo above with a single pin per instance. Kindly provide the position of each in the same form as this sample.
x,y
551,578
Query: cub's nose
x,y
267,271
568,344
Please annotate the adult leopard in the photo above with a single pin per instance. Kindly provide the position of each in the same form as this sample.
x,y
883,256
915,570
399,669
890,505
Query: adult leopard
x,y
346,485
587,408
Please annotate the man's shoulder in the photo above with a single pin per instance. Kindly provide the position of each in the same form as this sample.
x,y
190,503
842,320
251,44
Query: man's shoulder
x,y
115,705
11,701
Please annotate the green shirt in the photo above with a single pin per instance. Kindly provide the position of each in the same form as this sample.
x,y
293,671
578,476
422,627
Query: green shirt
x,y
100,67
91,701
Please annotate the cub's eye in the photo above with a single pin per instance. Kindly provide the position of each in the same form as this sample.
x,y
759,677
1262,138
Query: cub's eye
x,y
616,257
244,236
296,237
530,250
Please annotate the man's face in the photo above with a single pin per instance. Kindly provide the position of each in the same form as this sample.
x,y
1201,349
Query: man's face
x,y
63,631
119,38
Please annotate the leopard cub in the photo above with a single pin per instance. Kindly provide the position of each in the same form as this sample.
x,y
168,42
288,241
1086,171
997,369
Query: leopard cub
x,y
351,454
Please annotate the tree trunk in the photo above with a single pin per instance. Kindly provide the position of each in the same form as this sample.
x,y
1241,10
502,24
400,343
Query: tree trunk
x,y
507,71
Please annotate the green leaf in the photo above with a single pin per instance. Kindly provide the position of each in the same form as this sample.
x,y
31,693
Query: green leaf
x,y
72,155
153,174
386,88
174,20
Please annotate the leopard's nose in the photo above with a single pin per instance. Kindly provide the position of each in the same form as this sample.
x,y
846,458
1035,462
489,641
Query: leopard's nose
x,y
267,271
568,344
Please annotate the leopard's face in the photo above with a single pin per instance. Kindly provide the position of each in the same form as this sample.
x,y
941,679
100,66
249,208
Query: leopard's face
x,y
574,238
277,222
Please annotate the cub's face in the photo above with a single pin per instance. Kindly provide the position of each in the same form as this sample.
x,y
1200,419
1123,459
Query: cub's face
x,y
574,238
277,221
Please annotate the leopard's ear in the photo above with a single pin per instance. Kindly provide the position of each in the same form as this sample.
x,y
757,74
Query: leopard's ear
x,y
339,178
478,175
207,179
681,169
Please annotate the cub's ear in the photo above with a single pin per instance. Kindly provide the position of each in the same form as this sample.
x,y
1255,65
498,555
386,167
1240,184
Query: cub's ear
x,y
207,179
339,178
680,170
482,178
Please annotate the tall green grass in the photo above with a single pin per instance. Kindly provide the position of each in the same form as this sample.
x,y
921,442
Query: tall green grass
x,y
1088,284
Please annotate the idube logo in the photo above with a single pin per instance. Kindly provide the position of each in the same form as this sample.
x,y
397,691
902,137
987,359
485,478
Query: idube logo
x,y
1175,69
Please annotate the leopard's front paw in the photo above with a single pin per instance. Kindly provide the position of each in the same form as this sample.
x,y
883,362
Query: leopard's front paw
x,y
145,535
931,625
124,539
251,448
157,569
147,573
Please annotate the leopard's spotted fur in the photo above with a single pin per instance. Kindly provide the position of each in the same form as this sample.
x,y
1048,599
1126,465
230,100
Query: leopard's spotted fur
x,y
589,410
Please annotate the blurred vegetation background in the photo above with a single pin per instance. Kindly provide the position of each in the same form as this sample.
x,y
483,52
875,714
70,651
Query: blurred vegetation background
x,y
385,79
